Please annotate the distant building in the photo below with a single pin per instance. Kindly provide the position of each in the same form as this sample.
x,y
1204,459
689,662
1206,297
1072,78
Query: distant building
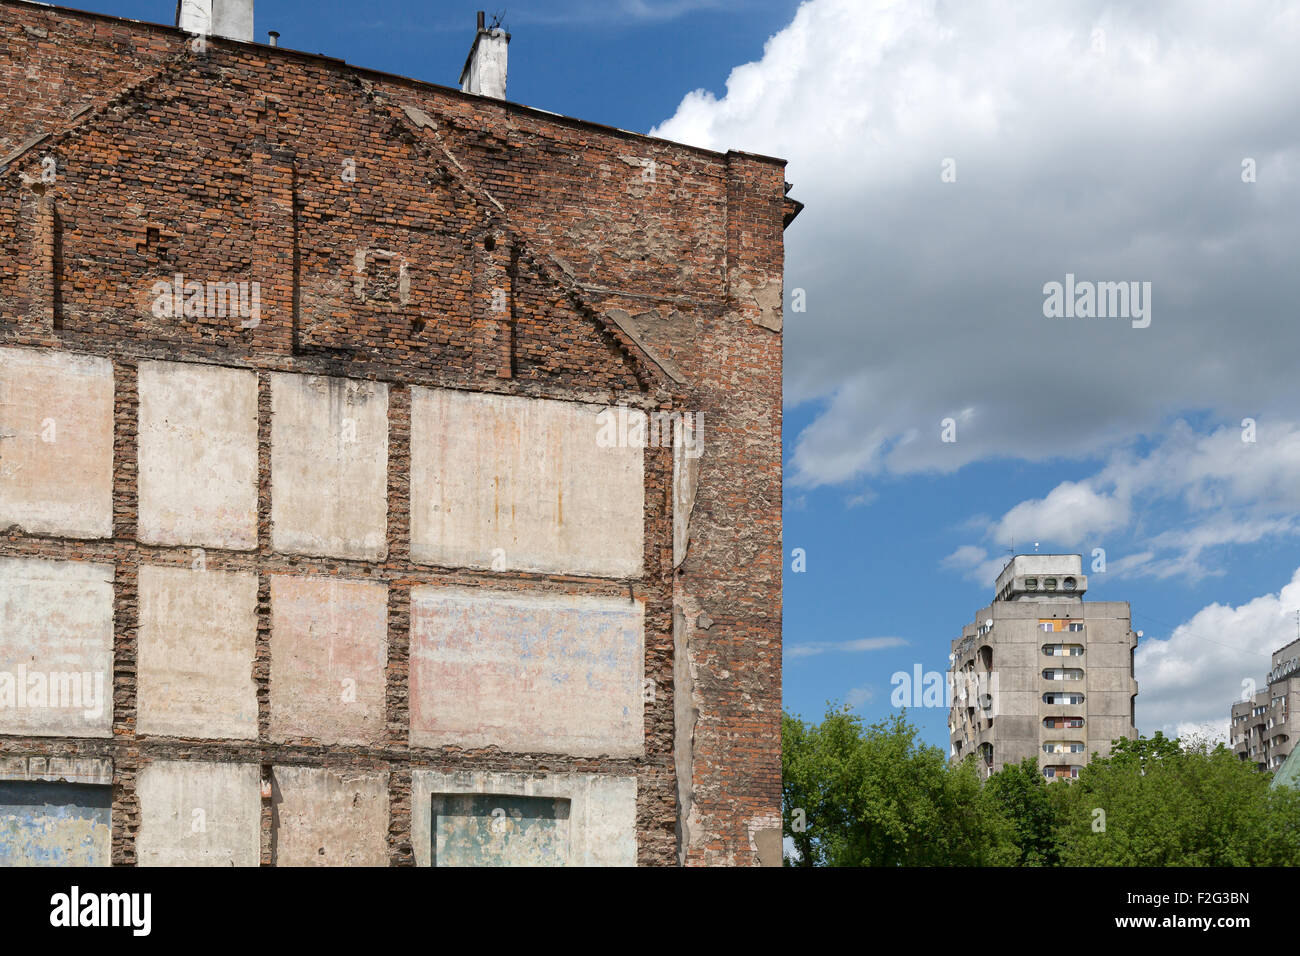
x,y
1265,725
1042,673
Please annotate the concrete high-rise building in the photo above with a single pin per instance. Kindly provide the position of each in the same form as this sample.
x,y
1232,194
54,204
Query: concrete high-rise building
x,y
1041,672
1265,724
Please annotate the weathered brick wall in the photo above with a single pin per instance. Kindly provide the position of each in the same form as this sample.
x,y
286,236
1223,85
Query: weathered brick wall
x,y
632,271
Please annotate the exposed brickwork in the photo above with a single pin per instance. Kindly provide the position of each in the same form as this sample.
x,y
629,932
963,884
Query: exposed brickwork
x,y
523,232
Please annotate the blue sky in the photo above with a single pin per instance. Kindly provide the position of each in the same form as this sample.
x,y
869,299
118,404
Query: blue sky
x,y
955,157
624,63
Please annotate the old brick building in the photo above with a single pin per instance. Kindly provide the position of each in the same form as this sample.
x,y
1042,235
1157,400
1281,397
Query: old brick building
x,y
318,542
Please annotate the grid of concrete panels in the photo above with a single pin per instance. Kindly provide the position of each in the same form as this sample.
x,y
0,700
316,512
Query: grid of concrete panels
x,y
497,482
525,672
210,813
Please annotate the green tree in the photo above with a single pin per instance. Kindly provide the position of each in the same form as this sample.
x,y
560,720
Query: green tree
x,y
876,796
1166,804
1019,793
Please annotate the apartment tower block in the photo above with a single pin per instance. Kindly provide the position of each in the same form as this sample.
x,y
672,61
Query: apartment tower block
x,y
1041,672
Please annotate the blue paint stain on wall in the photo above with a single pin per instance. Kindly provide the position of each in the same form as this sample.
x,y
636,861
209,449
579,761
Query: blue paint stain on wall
x,y
499,830
54,824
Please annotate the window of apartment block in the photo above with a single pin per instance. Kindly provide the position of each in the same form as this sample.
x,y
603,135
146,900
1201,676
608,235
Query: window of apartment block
x,y
1062,673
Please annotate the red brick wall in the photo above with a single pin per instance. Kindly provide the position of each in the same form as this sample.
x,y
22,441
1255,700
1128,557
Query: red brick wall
x,y
229,165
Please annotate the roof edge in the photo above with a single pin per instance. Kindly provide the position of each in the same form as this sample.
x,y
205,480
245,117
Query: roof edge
x,y
533,111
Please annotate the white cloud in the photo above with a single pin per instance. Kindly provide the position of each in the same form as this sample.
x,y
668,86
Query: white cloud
x,y
859,696
925,298
1069,514
1217,491
976,564
813,648
1193,677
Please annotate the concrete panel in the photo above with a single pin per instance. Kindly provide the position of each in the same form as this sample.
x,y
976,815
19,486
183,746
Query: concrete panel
x,y
56,443
198,455
482,818
56,648
326,819
198,813
329,466
97,770
329,652
527,672
55,824
514,483
197,641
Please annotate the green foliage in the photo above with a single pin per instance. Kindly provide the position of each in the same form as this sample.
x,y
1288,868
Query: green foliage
x,y
876,796
1019,793
1172,805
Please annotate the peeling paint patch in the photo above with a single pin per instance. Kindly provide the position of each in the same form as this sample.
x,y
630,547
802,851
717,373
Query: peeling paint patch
x,y
766,299
564,819
54,824
499,830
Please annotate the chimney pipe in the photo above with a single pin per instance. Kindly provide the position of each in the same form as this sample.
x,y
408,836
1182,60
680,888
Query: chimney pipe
x,y
273,37
485,67
232,19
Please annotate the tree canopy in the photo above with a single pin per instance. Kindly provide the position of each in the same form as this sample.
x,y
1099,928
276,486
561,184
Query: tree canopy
x,y
855,795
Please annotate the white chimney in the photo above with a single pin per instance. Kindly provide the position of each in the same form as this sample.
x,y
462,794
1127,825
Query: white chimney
x,y
232,19
485,68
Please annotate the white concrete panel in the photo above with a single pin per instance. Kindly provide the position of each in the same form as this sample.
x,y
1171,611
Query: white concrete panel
x,y
329,466
56,648
56,443
527,672
324,818
512,483
198,455
199,813
329,657
197,641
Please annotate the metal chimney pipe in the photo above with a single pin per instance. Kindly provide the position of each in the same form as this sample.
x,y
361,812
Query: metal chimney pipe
x,y
273,37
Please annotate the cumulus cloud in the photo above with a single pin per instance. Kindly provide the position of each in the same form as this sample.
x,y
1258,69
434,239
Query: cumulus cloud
x,y
1101,140
1188,681
1218,489
858,696
813,648
975,564
1071,512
